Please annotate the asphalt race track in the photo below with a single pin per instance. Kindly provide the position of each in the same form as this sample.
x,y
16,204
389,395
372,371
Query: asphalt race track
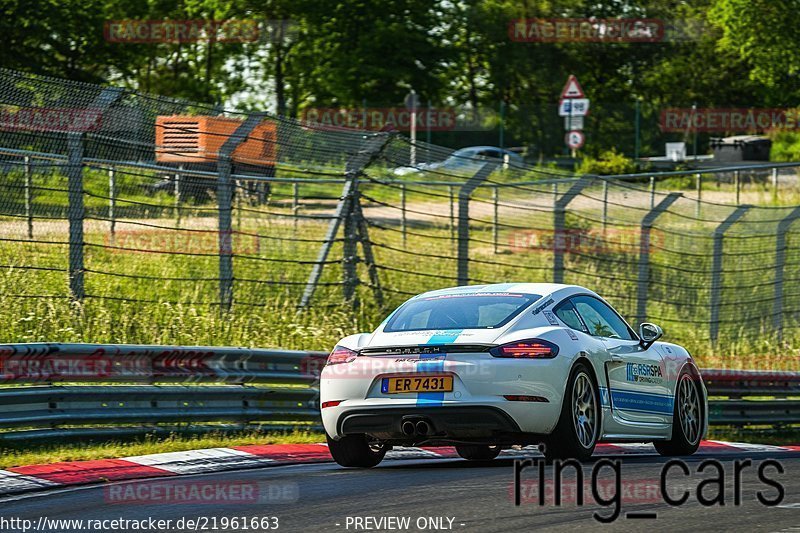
x,y
439,495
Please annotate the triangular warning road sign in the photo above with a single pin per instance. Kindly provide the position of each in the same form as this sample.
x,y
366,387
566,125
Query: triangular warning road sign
x,y
572,89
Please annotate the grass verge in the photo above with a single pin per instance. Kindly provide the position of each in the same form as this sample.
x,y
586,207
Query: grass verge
x,y
29,453
777,437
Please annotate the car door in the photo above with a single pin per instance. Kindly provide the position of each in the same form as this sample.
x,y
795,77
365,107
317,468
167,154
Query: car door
x,y
638,388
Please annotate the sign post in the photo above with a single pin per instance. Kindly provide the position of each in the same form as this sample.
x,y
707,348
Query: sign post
x,y
573,106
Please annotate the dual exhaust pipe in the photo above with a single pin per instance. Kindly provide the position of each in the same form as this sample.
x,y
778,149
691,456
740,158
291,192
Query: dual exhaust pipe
x,y
419,428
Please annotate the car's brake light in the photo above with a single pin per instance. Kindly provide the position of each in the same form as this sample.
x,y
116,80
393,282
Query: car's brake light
x,y
331,404
527,349
340,354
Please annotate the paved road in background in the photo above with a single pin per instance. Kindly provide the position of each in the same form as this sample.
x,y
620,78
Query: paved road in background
x,y
476,496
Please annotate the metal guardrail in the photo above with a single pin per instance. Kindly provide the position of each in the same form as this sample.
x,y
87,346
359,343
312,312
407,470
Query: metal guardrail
x,y
133,363
108,390
104,390
753,397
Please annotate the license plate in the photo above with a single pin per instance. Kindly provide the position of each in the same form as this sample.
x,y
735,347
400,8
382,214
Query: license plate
x,y
417,384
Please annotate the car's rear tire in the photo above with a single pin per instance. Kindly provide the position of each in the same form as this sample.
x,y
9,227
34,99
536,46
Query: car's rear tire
x,y
356,451
578,428
472,452
687,419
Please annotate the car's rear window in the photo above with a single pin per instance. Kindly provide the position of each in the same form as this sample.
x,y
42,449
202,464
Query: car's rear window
x,y
460,311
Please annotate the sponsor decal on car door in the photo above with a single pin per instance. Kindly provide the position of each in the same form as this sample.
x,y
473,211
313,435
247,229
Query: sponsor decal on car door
x,y
637,388
637,379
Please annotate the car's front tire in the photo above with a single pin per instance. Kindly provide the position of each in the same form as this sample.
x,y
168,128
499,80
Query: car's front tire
x,y
578,428
472,452
687,419
356,451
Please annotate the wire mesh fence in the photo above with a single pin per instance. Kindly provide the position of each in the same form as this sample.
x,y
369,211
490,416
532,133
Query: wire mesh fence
x,y
710,269
111,195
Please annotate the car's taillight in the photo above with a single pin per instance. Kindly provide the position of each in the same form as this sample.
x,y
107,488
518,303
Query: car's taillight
x,y
331,404
527,349
340,355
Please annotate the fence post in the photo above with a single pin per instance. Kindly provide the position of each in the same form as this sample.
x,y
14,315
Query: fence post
x,y
737,184
239,188
495,221
76,214
774,183
350,243
112,198
605,204
652,192
225,207
366,245
644,254
559,220
177,192
464,194
354,168
452,217
29,195
76,211
403,212
555,195
716,269
295,204
780,263
699,186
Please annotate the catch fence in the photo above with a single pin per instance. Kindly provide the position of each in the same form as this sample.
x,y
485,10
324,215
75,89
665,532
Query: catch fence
x,y
109,195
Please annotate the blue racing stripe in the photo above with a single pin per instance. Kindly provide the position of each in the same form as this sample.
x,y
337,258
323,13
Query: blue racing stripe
x,y
643,402
604,401
444,337
435,399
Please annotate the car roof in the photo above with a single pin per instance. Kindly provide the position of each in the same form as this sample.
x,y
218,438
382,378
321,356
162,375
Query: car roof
x,y
469,149
542,289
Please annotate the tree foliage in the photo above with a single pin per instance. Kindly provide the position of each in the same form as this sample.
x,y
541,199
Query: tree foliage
x,y
452,52
764,34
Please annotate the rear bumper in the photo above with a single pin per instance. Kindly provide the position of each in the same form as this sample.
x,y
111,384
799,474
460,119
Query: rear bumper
x,y
457,422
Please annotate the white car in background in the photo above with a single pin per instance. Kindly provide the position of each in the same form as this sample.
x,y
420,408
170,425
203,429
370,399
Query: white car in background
x,y
487,367
467,161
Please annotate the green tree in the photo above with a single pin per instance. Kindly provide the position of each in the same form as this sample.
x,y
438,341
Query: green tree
x,y
764,34
370,50
62,38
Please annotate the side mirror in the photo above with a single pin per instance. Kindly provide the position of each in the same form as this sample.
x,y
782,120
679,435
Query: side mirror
x,y
649,333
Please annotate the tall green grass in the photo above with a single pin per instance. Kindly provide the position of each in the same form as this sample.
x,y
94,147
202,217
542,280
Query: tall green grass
x,y
172,298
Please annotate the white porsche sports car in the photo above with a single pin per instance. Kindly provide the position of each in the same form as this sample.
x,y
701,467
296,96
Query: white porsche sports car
x,y
491,366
